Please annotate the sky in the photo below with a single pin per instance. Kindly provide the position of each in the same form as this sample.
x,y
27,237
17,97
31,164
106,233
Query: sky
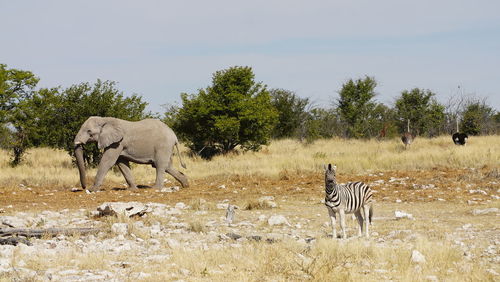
x,y
160,49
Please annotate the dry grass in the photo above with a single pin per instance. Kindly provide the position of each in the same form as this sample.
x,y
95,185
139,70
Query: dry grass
x,y
47,167
292,173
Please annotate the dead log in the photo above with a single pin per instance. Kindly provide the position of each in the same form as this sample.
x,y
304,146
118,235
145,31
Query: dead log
x,y
14,241
51,232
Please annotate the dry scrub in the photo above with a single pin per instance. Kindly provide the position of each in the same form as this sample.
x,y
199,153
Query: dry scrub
x,y
47,167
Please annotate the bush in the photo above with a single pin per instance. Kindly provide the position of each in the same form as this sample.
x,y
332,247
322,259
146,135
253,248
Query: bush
x,y
233,111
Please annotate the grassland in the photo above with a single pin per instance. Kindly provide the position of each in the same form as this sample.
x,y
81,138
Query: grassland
x,y
47,167
432,180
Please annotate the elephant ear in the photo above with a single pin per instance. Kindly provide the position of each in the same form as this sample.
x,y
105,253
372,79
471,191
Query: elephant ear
x,y
110,134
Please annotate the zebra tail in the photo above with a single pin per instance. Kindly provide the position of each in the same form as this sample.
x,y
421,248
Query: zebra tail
x,y
370,215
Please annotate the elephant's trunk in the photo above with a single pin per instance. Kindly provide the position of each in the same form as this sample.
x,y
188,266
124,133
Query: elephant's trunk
x,y
81,164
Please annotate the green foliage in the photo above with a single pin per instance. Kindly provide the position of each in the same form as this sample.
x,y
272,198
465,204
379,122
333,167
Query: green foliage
x,y
291,112
426,115
15,87
320,123
51,117
478,118
356,106
81,101
234,110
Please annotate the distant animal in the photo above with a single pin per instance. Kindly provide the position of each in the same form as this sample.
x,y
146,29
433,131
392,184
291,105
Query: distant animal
x,y
459,138
408,137
148,141
341,199
383,131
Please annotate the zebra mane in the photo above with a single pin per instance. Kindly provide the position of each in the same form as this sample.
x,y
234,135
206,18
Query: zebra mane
x,y
330,178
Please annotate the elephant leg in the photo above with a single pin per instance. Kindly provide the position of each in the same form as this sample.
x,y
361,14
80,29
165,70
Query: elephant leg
x,y
160,176
108,159
124,167
179,176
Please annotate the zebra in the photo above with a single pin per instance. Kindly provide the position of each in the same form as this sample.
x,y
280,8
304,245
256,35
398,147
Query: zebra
x,y
347,198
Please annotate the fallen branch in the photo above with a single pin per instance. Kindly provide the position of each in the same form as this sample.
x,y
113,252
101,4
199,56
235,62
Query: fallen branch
x,y
14,241
52,232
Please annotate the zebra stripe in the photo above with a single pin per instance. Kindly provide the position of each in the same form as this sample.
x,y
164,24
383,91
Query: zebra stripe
x,y
353,195
347,198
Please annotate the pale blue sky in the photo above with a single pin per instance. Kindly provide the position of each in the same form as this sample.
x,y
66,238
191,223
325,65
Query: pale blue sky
x,y
160,49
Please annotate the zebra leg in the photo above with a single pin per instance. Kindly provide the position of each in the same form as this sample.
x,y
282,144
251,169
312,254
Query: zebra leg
x,y
331,213
360,222
366,210
342,222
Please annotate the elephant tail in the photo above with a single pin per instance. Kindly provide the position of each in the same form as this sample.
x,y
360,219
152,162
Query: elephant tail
x,y
180,158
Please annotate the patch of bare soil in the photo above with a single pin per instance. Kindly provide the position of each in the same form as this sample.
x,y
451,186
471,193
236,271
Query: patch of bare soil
x,y
452,185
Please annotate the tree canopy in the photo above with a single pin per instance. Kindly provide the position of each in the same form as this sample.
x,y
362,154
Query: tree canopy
x,y
234,111
356,105
421,109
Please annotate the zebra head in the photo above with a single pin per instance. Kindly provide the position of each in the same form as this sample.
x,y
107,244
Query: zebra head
x,y
330,175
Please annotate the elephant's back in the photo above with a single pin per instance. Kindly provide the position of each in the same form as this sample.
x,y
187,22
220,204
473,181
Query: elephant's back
x,y
154,129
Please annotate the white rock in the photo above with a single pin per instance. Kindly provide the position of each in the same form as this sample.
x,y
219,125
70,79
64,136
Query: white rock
x,y
492,272
13,221
184,271
128,209
277,220
262,217
268,201
119,228
417,257
140,275
431,278
172,243
222,186
467,226
180,206
402,214
485,211
222,206
170,189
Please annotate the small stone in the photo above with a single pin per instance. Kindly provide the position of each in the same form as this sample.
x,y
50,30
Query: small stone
x,y
172,243
278,220
402,214
184,271
119,228
432,278
485,211
180,206
417,257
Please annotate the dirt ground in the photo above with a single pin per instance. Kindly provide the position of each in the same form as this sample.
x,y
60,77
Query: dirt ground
x,y
461,186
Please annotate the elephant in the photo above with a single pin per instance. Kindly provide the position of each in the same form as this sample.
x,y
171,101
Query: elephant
x,y
148,141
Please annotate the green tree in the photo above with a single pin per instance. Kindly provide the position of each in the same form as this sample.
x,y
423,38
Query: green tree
x,y
234,111
478,118
425,114
320,123
15,87
81,101
291,112
355,106
52,117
